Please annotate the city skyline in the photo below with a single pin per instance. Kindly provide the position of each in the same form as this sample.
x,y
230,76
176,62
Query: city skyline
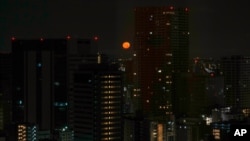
x,y
63,80
216,29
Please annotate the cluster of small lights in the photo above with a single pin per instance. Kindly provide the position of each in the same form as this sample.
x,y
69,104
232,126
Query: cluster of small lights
x,y
110,76
109,86
111,97
60,104
168,82
163,107
216,134
67,37
22,133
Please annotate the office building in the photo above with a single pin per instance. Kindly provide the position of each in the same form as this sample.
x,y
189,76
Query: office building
x,y
161,50
40,82
5,90
236,70
96,102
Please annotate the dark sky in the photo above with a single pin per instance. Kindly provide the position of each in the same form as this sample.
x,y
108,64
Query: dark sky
x,y
217,28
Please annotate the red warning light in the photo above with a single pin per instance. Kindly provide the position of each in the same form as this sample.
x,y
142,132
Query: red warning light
x,y
95,38
171,7
41,39
68,37
13,38
186,9
212,75
195,61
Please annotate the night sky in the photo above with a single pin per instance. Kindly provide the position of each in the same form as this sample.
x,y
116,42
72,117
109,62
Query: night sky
x,y
217,28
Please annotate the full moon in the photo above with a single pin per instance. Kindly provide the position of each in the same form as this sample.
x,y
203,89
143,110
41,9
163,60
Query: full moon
x,y
125,45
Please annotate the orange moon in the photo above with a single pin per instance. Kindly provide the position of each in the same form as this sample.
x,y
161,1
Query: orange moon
x,y
126,45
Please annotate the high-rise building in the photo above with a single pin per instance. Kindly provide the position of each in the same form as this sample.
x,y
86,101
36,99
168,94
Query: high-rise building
x,y
161,49
5,90
200,90
96,102
40,82
236,70
41,70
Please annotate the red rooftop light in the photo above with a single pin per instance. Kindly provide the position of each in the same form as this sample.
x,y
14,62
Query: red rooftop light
x,y
13,38
95,38
186,9
212,75
171,7
68,37
195,61
41,39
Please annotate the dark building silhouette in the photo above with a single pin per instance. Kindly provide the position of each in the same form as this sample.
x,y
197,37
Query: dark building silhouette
x,y
236,71
5,94
162,49
40,82
96,101
41,79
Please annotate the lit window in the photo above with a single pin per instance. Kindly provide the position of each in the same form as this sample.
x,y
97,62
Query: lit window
x,y
20,102
57,83
39,65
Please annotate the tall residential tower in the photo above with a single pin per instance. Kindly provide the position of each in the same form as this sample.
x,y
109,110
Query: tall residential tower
x,y
162,50
40,82
40,79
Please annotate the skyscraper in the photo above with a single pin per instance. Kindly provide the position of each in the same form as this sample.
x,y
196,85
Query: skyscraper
x,y
40,82
162,50
236,71
5,90
96,102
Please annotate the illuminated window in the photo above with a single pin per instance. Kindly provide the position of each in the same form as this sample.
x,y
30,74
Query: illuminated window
x,y
168,24
39,65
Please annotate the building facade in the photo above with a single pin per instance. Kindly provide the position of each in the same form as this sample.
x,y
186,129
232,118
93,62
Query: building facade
x,y
40,82
162,49
236,71
96,103
5,90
